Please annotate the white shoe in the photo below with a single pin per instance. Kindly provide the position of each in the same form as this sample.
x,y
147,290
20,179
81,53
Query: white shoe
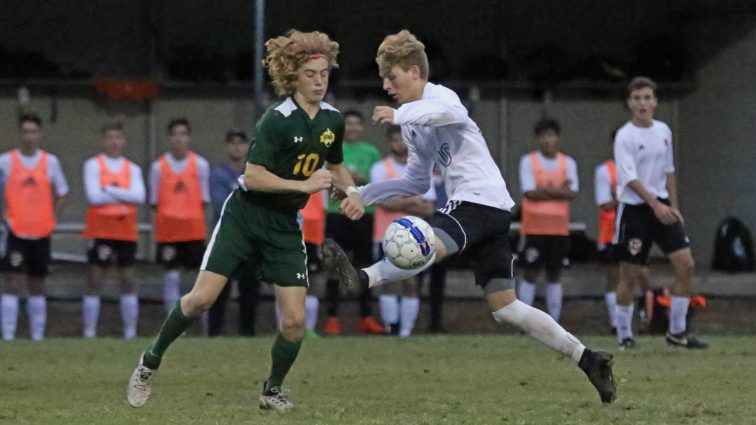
x,y
276,399
140,385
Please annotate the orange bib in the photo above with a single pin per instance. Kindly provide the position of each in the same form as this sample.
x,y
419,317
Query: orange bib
x,y
547,217
29,199
607,218
180,213
313,213
112,221
383,217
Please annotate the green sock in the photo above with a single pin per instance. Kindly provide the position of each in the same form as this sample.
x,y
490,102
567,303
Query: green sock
x,y
283,354
175,324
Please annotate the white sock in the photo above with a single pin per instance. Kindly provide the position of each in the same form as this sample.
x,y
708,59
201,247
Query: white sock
x,y
90,312
526,292
624,322
129,315
540,326
409,307
611,307
171,288
554,294
385,271
678,312
312,304
36,308
389,305
9,307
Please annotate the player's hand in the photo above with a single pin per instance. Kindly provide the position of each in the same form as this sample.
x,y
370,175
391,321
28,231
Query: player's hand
x,y
664,213
678,214
383,115
319,180
352,206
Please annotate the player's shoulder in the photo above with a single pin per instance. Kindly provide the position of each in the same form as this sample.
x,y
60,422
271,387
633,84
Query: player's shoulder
x,y
662,126
52,158
440,91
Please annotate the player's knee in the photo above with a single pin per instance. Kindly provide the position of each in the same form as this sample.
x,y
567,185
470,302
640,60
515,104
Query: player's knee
x,y
293,322
198,301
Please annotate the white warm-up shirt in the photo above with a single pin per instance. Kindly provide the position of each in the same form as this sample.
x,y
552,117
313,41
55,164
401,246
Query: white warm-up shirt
x,y
379,173
54,170
602,185
96,195
643,154
527,177
437,129
203,168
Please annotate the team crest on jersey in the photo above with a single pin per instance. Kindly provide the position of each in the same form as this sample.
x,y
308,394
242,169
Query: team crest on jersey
x,y
327,137
634,246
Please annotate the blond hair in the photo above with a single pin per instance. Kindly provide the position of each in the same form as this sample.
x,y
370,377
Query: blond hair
x,y
287,53
404,50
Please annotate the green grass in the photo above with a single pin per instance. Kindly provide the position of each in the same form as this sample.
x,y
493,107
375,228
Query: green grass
x,y
425,380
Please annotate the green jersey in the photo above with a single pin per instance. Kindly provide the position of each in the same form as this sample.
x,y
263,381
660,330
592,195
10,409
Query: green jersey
x,y
359,156
292,146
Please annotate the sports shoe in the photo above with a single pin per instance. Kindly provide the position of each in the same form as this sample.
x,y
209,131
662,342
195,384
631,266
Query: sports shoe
x,y
140,385
683,339
628,344
332,326
311,334
598,366
275,399
369,325
335,258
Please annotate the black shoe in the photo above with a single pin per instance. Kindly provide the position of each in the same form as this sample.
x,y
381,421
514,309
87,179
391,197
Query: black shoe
x,y
598,366
336,259
683,339
628,344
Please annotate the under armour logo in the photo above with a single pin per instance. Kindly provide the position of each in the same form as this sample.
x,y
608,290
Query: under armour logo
x,y
300,276
298,139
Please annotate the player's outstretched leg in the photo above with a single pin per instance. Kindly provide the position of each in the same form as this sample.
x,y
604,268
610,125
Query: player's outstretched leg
x,y
508,309
336,259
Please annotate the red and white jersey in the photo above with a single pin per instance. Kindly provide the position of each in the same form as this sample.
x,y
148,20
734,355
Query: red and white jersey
x,y
643,154
437,129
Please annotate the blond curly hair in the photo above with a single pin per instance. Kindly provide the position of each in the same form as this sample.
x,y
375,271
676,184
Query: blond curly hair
x,y
287,53
402,49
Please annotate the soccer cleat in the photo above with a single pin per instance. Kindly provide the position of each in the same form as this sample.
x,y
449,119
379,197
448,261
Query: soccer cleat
x,y
275,399
332,326
628,344
683,339
336,259
598,366
311,334
140,385
369,325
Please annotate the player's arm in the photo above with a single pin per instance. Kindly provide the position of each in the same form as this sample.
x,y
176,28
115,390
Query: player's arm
x,y
352,205
606,199
416,181
95,194
60,183
551,193
258,178
445,109
135,193
413,205
672,190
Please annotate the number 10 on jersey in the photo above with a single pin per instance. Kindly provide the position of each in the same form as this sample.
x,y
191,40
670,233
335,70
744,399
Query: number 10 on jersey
x,y
306,164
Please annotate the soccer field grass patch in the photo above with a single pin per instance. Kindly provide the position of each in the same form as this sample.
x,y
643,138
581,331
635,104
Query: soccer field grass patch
x,y
424,380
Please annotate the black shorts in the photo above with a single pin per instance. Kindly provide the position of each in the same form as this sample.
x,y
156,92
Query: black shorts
x,y
188,254
547,251
608,254
103,252
30,256
481,233
639,227
356,237
314,257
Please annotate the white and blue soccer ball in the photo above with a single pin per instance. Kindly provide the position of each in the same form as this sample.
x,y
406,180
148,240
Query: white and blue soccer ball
x,y
409,242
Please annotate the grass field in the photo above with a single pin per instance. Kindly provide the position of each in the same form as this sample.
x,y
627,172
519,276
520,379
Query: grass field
x,y
353,380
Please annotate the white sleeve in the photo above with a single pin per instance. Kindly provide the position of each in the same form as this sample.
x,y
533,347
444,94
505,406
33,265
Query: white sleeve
x,y
446,109
56,176
203,168
602,185
416,181
95,194
154,182
669,163
378,172
625,161
527,180
135,193
572,174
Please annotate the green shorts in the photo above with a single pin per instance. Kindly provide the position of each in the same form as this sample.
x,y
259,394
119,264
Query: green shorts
x,y
251,236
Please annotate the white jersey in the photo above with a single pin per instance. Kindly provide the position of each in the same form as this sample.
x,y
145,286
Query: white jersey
x,y
437,129
602,184
379,173
203,168
527,177
643,154
54,170
97,195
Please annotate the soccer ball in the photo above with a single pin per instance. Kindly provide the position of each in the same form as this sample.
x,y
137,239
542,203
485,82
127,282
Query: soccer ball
x,y
409,242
